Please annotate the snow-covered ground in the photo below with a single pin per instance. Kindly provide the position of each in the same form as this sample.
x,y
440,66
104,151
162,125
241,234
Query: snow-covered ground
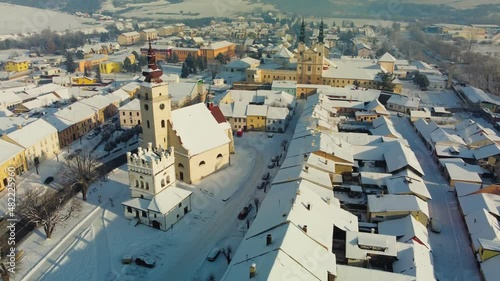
x,y
91,246
453,257
21,19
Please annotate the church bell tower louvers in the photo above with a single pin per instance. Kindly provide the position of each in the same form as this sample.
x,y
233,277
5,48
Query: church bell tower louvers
x,y
155,105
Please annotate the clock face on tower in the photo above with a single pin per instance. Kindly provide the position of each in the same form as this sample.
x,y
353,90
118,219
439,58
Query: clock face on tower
x,y
162,106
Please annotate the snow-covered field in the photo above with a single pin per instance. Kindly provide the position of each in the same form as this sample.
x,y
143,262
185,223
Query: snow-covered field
x,y
90,247
21,19
453,257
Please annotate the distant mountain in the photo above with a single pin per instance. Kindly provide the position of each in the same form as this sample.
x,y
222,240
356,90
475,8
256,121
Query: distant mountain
x,y
62,5
442,10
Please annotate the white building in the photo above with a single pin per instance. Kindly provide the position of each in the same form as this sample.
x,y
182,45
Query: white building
x,y
157,200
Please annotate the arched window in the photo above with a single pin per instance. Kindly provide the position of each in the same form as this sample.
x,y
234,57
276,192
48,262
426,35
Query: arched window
x,y
142,184
147,186
180,165
162,182
147,123
146,97
168,179
136,183
219,156
202,163
163,123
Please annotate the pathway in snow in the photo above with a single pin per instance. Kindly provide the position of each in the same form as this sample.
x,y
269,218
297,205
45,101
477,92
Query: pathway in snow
x,y
453,257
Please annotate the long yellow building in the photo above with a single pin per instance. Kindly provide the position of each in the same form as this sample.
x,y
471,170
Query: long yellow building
x,y
12,163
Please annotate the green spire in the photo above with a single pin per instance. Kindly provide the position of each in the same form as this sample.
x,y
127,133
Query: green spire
x,y
302,35
321,36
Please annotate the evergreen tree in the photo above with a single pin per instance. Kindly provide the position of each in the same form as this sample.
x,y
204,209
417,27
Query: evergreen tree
x,y
184,70
175,58
70,63
79,55
143,61
205,62
127,65
421,80
385,82
190,62
136,55
199,63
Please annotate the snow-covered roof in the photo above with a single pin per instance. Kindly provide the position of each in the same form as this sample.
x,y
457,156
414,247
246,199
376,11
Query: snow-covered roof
x,y
425,129
350,273
385,129
76,112
490,267
398,156
8,150
137,203
396,203
284,84
322,142
408,185
404,101
405,229
373,179
134,104
282,256
387,58
194,123
482,224
8,98
465,188
313,160
217,45
58,122
301,172
358,244
257,110
456,151
243,63
415,260
474,202
463,172
487,151
279,113
168,199
32,133
99,102
476,95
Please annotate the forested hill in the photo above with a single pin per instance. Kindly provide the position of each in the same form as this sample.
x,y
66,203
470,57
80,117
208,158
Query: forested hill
x,y
62,5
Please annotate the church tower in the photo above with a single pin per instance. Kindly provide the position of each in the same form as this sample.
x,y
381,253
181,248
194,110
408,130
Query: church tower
x,y
321,36
155,105
310,61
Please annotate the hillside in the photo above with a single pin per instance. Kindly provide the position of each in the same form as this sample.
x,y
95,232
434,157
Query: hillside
x,y
63,5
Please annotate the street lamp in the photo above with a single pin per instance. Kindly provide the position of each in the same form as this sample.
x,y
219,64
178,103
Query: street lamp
x,y
37,163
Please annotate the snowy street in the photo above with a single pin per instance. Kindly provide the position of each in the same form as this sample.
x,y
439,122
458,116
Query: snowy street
x,y
453,256
93,249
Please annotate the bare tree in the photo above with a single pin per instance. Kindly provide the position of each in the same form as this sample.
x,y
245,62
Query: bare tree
x,y
81,171
48,208
214,68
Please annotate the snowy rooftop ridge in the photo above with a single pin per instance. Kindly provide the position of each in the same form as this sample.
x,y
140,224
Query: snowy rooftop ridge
x,y
150,158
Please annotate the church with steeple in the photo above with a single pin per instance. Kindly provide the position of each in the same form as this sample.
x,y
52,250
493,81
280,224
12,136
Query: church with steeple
x,y
315,67
184,145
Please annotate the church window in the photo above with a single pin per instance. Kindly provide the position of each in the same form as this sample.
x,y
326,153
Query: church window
x,y
129,209
163,123
136,183
180,165
137,113
219,156
142,184
147,123
124,121
309,68
147,185
168,179
162,182
123,113
144,214
146,107
202,163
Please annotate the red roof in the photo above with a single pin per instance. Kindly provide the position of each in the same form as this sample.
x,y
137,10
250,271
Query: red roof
x,y
215,110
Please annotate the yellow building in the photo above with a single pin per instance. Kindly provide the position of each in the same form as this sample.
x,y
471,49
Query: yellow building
x,y
91,62
83,80
148,34
166,31
256,117
12,163
115,64
17,65
128,38
211,50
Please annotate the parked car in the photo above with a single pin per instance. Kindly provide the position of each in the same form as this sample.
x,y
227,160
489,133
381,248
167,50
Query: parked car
x,y
275,158
265,176
91,136
400,114
146,262
262,184
213,254
270,135
48,180
244,213
435,225
271,164
78,151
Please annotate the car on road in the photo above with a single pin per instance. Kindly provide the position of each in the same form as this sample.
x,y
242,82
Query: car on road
x,y
48,180
400,114
262,184
144,261
91,136
213,254
435,225
271,164
265,176
244,213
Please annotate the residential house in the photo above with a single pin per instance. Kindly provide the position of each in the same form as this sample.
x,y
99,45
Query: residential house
x,y
39,140
256,117
148,34
12,163
402,103
277,119
388,207
16,65
130,114
128,38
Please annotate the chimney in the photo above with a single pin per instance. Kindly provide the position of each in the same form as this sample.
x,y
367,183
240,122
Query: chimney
x,y
308,206
304,228
306,169
372,231
253,270
269,239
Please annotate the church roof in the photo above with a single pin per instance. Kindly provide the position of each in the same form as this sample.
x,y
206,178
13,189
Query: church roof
x,y
197,129
387,58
